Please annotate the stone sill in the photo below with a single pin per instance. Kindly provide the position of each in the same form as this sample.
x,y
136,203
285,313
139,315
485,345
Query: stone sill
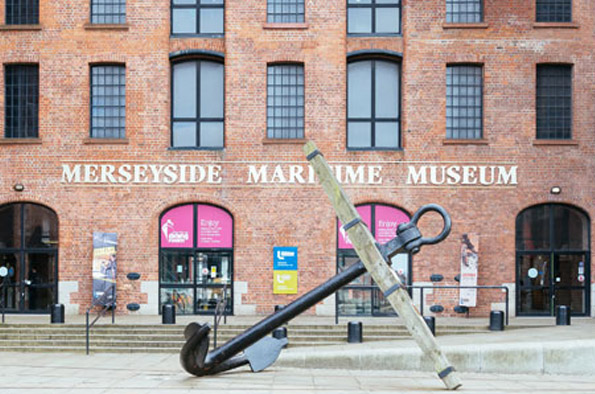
x,y
20,141
285,26
555,25
106,141
283,141
555,143
20,27
481,25
465,142
106,26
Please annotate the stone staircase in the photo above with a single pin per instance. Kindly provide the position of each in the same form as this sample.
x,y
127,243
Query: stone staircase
x,y
169,338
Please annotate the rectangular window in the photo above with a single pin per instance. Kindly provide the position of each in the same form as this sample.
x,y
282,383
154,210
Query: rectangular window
x,y
21,112
192,17
285,11
198,108
554,101
108,102
464,11
373,104
554,11
22,12
108,11
464,102
374,17
285,101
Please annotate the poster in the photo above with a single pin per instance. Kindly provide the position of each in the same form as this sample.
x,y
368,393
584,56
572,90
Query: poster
x,y
285,265
177,227
104,267
214,227
387,219
469,262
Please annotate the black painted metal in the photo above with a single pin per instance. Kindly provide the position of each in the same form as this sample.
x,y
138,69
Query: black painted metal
x,y
168,314
436,278
133,276
133,307
562,315
431,322
57,314
496,321
355,332
436,308
280,333
194,357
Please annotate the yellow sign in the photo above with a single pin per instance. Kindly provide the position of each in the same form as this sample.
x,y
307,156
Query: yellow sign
x,y
285,282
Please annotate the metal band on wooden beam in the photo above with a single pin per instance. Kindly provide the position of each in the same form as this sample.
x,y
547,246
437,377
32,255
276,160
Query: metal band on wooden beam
x,y
445,372
391,290
351,224
313,155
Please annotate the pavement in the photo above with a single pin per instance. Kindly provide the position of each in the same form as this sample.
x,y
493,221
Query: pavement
x,y
552,359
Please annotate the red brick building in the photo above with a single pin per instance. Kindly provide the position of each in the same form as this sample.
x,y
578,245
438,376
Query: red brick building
x,y
178,127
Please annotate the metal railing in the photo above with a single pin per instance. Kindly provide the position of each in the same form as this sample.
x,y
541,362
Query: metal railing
x,y
421,293
101,301
219,310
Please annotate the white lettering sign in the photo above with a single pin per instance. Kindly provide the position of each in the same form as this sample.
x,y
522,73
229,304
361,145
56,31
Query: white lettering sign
x,y
462,175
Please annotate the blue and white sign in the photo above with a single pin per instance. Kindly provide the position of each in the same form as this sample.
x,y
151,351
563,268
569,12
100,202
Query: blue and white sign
x,y
285,258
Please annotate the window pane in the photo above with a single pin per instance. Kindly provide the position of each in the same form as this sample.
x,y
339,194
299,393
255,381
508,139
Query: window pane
x,y
176,267
387,90
285,101
184,2
359,20
359,135
10,231
359,87
554,10
533,229
211,20
211,134
184,134
464,106
207,298
184,21
213,268
211,1
108,11
182,298
387,20
359,2
21,101
554,102
184,94
570,229
22,12
387,135
41,227
463,11
211,90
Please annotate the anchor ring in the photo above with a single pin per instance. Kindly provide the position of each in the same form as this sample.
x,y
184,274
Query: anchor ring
x,y
445,218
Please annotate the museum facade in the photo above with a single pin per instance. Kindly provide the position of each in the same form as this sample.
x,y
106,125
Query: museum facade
x,y
165,139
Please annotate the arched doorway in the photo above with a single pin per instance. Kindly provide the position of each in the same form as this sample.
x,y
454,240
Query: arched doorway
x,y
552,260
196,258
362,297
29,251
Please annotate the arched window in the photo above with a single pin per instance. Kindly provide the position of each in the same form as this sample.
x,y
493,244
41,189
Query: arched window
x,y
373,104
197,104
196,258
553,260
29,251
362,296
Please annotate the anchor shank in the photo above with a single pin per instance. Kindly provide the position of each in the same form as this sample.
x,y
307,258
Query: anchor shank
x,y
261,329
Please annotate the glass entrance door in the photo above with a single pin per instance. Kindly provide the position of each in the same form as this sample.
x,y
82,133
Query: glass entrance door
x,y
549,280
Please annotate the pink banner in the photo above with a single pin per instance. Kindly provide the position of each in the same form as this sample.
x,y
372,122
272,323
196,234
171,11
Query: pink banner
x,y
214,227
387,219
177,228
365,212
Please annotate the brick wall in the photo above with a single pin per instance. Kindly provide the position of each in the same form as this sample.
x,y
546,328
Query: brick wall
x,y
508,45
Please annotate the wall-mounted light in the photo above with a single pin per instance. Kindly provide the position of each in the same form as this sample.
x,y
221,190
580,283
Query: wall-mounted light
x,y
556,190
18,187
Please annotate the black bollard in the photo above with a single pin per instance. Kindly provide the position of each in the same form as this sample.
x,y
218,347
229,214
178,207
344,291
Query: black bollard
x,y
57,314
280,333
431,322
279,307
168,314
562,315
355,332
496,321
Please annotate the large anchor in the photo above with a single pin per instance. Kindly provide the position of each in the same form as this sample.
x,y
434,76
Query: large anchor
x,y
254,347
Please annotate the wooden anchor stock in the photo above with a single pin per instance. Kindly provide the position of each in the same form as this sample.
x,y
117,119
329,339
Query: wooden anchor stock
x,y
376,264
